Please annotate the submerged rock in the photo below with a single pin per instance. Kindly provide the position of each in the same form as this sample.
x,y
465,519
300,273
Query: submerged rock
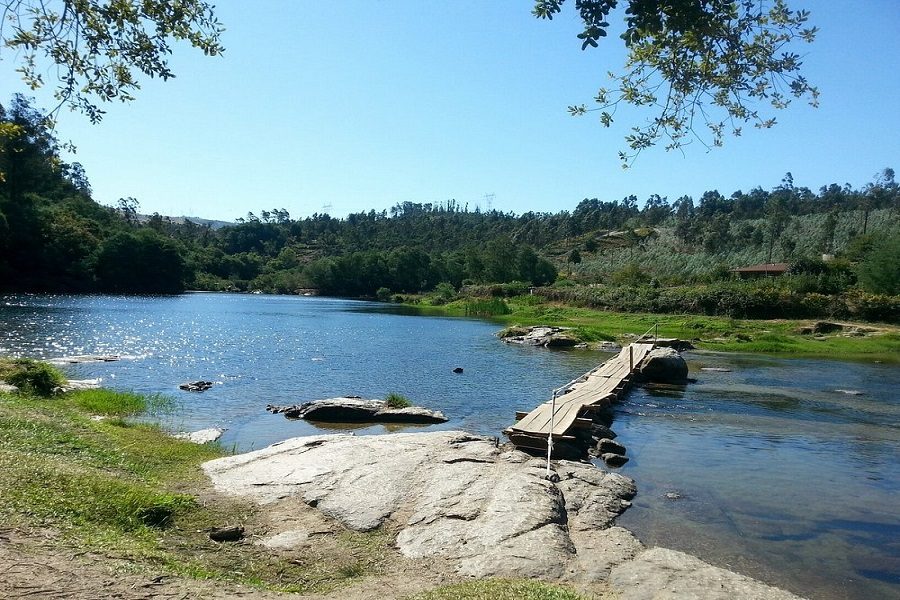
x,y
84,358
196,386
664,365
613,460
358,410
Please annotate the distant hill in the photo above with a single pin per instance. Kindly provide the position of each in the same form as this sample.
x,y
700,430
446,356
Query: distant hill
x,y
213,223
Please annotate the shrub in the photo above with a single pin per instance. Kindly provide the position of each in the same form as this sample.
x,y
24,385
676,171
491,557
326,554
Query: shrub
x,y
394,400
630,274
383,294
486,307
31,376
443,293
879,272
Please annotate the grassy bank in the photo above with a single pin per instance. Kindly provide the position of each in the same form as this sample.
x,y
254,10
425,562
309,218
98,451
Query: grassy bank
x,y
80,469
77,464
777,336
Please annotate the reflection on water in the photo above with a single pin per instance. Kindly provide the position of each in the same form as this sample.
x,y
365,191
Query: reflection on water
x,y
778,475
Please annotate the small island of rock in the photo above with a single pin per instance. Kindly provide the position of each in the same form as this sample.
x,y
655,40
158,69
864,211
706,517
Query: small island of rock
x,y
358,410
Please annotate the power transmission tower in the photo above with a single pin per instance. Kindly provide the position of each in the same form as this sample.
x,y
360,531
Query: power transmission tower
x,y
489,201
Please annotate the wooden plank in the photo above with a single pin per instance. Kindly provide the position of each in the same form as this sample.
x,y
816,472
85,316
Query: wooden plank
x,y
598,388
581,423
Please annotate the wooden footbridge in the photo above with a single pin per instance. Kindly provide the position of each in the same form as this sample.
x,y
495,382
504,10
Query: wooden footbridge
x,y
566,418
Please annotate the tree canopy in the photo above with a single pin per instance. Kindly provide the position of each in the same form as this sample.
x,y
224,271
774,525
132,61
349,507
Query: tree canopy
x,y
696,64
97,49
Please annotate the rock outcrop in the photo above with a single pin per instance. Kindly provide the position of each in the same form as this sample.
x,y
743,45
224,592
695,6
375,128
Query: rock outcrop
x,y
664,365
358,410
548,337
488,510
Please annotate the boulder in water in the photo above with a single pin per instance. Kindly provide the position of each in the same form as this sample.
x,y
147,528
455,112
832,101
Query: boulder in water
x,y
548,337
358,410
664,365
607,445
196,386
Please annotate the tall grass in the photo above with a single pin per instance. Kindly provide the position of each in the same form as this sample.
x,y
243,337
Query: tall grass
x,y
486,307
109,402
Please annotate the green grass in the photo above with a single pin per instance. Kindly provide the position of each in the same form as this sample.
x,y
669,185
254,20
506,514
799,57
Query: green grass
x,y
499,589
118,404
126,489
712,333
394,400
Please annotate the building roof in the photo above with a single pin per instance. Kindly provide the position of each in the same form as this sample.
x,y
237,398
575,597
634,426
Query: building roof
x,y
764,268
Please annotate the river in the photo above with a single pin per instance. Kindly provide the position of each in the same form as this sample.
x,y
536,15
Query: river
x,y
760,466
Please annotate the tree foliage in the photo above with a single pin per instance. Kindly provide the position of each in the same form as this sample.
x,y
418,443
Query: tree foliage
x,y
55,238
879,272
696,64
96,50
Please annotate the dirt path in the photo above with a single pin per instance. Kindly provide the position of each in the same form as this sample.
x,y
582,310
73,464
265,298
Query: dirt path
x,y
33,565
36,565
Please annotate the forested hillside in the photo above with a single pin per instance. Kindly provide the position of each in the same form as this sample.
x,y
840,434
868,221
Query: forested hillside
x,y
54,237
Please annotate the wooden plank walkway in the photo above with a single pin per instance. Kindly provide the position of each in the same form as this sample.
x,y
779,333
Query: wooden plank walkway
x,y
596,389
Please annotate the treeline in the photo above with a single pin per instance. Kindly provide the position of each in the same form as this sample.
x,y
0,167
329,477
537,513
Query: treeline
x,y
413,270
54,237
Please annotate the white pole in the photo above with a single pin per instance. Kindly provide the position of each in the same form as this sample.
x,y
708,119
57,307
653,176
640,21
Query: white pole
x,y
550,435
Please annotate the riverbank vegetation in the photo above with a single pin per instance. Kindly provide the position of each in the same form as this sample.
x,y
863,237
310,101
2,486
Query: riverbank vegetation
x,y
842,246
89,470
709,332
80,465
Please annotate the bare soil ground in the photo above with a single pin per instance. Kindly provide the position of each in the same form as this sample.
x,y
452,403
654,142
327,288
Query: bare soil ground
x,y
35,565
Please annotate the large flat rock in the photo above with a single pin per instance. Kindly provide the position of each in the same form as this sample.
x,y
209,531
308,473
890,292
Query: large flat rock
x,y
452,495
488,510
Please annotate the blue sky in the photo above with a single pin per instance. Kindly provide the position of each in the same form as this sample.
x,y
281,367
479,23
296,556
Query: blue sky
x,y
359,105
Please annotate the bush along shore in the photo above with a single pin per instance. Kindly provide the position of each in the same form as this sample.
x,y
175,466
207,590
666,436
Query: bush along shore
x,y
593,322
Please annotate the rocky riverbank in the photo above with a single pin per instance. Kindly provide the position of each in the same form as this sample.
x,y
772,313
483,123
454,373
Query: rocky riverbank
x,y
486,509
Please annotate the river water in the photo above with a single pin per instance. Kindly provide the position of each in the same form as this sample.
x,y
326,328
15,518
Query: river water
x,y
761,466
